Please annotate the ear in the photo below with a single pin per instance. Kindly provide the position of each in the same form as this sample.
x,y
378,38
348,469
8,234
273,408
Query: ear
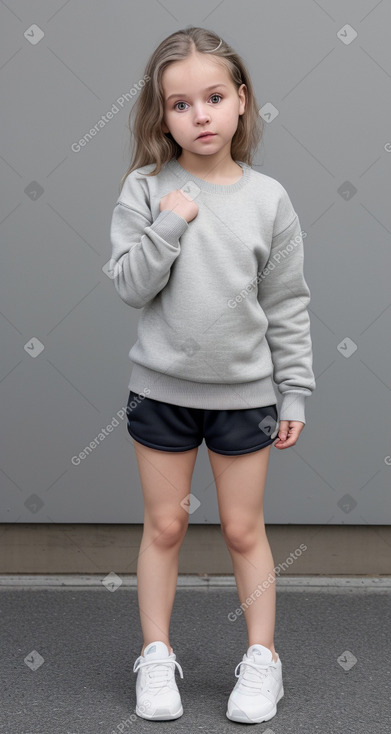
x,y
242,92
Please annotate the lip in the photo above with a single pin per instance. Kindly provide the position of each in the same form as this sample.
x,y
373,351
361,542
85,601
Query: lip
x,y
206,135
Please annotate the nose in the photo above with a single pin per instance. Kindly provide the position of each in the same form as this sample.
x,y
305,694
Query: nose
x,y
201,114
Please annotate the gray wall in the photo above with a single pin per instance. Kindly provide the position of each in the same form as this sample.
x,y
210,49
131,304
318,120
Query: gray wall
x,y
65,333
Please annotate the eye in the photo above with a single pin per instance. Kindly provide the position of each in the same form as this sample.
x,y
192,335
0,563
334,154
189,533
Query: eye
x,y
177,103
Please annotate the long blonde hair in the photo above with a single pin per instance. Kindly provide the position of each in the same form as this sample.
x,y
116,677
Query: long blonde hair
x,y
150,144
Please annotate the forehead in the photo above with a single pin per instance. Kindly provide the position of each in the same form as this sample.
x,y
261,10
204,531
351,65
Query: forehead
x,y
196,72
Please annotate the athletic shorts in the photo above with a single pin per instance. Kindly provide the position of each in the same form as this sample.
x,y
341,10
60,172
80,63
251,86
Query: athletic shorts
x,y
170,427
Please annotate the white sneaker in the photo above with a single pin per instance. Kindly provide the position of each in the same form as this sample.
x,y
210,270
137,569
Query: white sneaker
x,y
156,689
259,688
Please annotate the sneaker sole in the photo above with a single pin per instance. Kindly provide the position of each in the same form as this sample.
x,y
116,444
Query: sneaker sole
x,y
239,715
161,714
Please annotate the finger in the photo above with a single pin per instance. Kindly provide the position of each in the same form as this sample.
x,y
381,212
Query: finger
x,y
283,430
285,444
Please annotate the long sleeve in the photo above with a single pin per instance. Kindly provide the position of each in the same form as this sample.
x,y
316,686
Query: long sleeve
x,y
284,296
142,251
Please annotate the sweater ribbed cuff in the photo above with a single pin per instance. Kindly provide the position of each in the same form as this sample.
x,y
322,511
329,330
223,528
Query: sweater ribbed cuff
x,y
293,406
169,226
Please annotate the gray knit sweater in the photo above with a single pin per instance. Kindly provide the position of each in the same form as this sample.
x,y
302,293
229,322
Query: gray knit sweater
x,y
224,296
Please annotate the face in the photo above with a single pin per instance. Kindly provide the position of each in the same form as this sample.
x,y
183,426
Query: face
x,y
194,109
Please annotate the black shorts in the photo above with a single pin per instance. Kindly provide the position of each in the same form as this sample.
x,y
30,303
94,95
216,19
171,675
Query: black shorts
x,y
170,427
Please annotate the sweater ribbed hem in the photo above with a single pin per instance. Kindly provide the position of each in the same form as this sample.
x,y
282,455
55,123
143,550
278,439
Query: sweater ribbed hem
x,y
209,396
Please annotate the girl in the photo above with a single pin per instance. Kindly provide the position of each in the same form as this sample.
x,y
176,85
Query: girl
x,y
212,251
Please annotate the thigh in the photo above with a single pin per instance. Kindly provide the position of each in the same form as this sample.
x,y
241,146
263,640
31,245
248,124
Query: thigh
x,y
240,484
166,480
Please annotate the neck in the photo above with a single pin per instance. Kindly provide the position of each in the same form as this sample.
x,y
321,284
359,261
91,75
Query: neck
x,y
209,168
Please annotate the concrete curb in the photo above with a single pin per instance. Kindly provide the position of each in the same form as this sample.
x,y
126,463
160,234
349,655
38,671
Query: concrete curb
x,y
190,581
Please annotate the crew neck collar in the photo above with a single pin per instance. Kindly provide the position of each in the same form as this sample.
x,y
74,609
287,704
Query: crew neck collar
x,y
211,188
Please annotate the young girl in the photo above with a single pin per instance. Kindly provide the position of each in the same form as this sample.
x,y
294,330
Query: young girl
x,y
212,251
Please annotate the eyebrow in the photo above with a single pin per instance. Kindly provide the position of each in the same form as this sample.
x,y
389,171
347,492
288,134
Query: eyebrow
x,y
183,94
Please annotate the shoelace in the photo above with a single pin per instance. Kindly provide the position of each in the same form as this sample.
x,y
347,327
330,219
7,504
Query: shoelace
x,y
163,672
248,678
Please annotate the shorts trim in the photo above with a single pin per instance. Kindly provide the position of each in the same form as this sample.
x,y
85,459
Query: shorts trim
x,y
151,445
244,451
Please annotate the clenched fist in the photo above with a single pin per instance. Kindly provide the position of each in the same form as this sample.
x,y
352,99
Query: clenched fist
x,y
177,202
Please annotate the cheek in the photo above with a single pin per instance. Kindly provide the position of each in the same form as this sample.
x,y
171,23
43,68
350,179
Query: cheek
x,y
172,120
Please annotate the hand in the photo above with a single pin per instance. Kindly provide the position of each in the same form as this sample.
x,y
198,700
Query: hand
x,y
177,202
288,433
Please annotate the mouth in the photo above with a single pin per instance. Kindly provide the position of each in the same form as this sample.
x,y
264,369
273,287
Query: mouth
x,y
206,135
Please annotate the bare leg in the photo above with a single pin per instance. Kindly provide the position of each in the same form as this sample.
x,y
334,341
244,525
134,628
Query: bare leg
x,y
166,480
240,483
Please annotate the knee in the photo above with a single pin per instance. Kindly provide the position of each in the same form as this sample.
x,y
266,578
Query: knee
x,y
239,535
167,532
